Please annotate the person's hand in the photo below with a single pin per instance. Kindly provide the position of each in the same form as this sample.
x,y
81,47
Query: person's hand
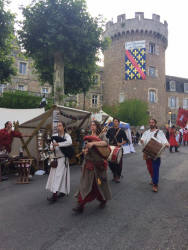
x,y
86,151
141,141
55,144
167,145
89,145
119,144
52,149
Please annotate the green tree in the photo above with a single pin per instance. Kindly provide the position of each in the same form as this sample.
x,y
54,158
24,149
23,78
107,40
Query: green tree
x,y
59,33
22,100
6,39
132,111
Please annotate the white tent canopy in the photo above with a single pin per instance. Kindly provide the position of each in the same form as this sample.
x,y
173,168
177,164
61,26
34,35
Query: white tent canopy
x,y
27,127
20,115
32,123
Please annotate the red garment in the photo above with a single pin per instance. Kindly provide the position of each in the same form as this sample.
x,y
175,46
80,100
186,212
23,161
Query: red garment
x,y
150,166
6,138
95,193
185,135
172,139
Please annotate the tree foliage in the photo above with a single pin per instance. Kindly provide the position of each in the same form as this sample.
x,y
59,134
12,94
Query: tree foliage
x,y
66,29
22,100
132,111
6,39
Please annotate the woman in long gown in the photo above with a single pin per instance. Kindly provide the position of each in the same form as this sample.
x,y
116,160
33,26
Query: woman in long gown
x,y
59,178
93,182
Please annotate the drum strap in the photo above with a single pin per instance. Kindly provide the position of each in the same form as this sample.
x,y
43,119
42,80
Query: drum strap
x,y
155,135
112,142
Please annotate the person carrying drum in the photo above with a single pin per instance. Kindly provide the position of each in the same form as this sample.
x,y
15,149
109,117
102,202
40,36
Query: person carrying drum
x,y
153,165
94,183
117,137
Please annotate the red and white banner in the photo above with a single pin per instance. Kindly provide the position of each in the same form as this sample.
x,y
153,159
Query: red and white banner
x,y
182,118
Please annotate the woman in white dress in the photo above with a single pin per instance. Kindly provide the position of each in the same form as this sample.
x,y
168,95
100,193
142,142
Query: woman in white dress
x,y
59,178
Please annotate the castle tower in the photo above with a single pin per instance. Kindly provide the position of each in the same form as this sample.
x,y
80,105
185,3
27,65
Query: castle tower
x,y
147,79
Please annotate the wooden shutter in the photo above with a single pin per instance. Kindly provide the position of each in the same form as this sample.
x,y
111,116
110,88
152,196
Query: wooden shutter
x,y
169,102
177,102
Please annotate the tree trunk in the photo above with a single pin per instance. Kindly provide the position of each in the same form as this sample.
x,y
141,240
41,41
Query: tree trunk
x,y
58,79
84,104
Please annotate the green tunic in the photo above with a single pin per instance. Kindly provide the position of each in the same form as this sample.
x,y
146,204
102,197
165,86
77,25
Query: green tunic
x,y
87,177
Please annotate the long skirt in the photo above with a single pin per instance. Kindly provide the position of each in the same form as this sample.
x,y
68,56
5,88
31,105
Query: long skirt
x,y
59,178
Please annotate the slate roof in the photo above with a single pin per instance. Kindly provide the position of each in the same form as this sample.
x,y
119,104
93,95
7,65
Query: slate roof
x,y
179,83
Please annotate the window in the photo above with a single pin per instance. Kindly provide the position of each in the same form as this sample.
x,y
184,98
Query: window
x,y
152,96
186,87
173,118
2,87
152,48
23,67
96,78
121,97
152,71
95,99
172,86
45,90
173,102
21,87
185,103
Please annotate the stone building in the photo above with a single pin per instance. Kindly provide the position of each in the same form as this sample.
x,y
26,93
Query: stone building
x,y
26,79
153,88
177,96
93,100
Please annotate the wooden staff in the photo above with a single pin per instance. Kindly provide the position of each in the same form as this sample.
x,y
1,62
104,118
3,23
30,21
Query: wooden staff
x,y
97,137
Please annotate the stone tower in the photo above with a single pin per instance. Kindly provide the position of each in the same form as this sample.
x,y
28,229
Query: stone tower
x,y
152,88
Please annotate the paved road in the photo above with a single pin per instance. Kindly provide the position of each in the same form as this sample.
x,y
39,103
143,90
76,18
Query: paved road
x,y
136,218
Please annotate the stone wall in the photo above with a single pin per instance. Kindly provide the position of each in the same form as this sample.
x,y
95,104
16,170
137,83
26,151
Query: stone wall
x,y
137,29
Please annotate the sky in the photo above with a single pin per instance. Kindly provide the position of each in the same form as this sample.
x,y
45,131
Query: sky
x,y
173,11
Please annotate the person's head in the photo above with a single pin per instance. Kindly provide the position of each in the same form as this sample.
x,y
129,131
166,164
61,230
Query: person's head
x,y
185,128
152,123
116,122
61,127
95,127
173,127
8,125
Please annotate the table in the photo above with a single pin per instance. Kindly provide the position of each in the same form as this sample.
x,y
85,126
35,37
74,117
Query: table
x,y
24,166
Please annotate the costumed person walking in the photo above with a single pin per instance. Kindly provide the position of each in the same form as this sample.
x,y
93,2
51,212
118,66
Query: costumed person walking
x,y
185,136
59,177
172,139
93,182
117,137
153,166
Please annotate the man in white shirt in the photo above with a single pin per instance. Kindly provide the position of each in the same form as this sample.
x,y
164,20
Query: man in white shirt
x,y
153,166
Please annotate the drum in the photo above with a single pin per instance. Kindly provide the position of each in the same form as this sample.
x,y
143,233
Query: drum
x,y
115,154
154,148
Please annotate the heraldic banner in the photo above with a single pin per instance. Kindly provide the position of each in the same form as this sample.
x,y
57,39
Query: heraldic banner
x,y
135,60
182,118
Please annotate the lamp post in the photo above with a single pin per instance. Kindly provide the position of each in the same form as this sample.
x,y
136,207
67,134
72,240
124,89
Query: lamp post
x,y
170,112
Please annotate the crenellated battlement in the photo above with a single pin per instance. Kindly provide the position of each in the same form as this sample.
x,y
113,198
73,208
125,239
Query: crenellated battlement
x,y
138,25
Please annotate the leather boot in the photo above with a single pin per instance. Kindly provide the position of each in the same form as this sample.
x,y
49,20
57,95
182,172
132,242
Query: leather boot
x,y
155,188
102,204
60,195
52,198
117,179
78,209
